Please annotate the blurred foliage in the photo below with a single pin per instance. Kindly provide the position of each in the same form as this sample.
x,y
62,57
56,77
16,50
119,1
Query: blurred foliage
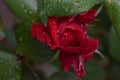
x,y
114,43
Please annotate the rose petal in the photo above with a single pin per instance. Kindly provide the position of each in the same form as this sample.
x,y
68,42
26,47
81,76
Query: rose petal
x,y
38,31
52,24
78,67
76,27
89,48
74,61
65,60
87,17
70,50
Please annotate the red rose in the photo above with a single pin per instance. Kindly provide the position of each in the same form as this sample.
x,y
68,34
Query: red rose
x,y
69,35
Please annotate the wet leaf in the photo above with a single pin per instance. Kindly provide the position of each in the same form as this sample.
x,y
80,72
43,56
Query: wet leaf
x,y
113,10
32,49
64,7
23,9
114,45
9,68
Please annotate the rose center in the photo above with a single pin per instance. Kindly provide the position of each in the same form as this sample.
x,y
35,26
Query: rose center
x,y
68,38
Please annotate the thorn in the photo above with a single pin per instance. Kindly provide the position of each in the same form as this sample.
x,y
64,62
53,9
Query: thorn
x,y
99,9
100,54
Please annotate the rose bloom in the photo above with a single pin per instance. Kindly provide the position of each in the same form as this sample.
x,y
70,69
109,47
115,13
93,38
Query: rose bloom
x,y
69,35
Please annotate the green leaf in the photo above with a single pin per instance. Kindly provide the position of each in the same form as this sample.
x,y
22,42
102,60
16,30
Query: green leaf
x,y
43,52
92,68
114,45
64,76
64,7
32,49
9,68
13,73
113,10
7,60
10,36
23,9
2,33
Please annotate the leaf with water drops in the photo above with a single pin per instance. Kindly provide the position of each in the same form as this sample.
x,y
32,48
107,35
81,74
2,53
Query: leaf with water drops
x,y
113,10
23,9
13,73
2,33
7,60
32,49
114,42
9,68
64,76
64,7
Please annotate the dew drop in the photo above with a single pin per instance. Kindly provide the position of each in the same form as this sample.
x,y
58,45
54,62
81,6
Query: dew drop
x,y
25,10
43,33
44,1
41,13
20,39
72,10
59,1
22,5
